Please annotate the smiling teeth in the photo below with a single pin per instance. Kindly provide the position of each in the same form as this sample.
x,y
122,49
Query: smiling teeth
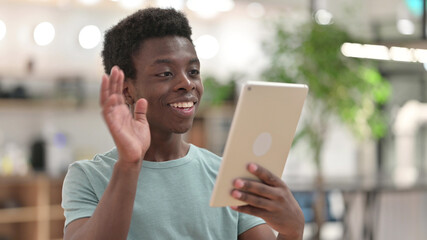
x,y
182,104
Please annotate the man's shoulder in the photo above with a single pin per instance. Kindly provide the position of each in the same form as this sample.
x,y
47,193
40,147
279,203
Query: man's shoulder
x,y
207,158
103,162
205,153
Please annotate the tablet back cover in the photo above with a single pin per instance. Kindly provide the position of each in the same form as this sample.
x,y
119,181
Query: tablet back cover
x,y
262,131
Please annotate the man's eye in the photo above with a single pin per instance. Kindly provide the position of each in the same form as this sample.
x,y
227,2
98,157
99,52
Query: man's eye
x,y
165,74
194,72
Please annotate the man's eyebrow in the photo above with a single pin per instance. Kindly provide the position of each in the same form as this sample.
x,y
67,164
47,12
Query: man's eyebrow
x,y
194,60
165,60
160,61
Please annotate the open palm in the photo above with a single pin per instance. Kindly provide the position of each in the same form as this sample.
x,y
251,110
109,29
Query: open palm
x,y
131,134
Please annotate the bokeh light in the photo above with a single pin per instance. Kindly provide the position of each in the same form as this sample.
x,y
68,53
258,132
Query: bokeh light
x,y
207,46
44,33
89,37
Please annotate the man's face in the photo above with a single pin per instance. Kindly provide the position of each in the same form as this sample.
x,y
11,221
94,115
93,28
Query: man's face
x,y
167,75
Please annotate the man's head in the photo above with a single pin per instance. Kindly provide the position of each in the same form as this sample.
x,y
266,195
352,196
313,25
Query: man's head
x,y
123,40
154,49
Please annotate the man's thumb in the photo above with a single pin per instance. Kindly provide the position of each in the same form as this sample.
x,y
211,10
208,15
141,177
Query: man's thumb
x,y
140,112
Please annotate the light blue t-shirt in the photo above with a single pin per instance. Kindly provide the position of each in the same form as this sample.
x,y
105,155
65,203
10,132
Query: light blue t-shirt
x,y
172,199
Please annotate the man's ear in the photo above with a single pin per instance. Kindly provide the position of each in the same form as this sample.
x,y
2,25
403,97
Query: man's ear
x,y
129,91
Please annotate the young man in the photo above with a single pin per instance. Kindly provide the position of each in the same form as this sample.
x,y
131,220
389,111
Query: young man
x,y
154,185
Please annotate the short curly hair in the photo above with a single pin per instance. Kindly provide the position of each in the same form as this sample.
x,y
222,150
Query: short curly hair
x,y
123,40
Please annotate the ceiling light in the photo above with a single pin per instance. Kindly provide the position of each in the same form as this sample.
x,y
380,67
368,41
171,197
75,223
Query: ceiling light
x,y
352,50
89,2
89,37
255,10
381,52
358,50
44,33
378,52
207,46
420,55
131,4
224,5
209,8
2,29
401,54
176,4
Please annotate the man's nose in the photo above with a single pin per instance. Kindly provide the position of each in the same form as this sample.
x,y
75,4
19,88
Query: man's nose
x,y
184,83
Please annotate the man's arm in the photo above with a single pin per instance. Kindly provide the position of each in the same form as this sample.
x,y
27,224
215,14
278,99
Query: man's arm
x,y
272,201
112,216
262,231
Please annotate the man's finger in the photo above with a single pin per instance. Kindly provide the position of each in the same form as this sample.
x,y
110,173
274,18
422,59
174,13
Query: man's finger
x,y
140,112
114,76
256,188
265,175
252,200
104,91
120,82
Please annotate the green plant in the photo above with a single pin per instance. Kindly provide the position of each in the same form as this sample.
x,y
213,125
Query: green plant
x,y
351,89
216,93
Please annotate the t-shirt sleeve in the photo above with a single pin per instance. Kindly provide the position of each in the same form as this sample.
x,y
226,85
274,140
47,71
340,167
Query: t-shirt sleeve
x,y
247,222
78,197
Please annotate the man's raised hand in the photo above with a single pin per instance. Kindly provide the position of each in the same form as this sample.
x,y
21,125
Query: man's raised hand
x,y
131,134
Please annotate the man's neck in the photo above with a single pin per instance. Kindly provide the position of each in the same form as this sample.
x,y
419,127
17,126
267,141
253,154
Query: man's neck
x,y
165,148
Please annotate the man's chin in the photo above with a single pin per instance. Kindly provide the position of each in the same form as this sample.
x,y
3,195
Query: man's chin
x,y
182,130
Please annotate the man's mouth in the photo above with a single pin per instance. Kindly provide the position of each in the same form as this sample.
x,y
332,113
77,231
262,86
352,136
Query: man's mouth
x,y
184,109
182,104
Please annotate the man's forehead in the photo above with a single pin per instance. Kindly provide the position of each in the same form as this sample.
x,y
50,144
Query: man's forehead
x,y
166,44
167,49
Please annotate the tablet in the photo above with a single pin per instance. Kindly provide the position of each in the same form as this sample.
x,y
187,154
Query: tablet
x,y
262,131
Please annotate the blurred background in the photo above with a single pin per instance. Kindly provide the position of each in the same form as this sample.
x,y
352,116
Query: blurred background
x,y
359,160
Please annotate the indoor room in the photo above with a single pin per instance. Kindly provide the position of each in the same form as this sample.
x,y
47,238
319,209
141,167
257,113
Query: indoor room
x,y
357,165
